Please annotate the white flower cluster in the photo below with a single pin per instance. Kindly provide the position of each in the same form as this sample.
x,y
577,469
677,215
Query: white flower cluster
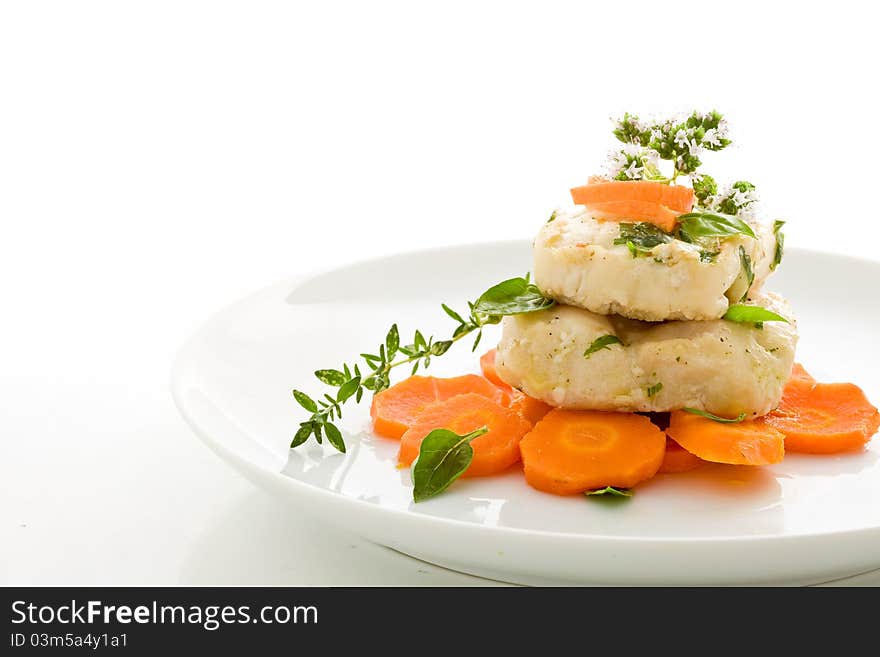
x,y
631,161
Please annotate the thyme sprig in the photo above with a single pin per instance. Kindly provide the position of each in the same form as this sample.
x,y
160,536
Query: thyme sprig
x,y
373,373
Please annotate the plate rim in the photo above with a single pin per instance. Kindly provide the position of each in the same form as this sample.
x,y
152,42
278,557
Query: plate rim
x,y
258,473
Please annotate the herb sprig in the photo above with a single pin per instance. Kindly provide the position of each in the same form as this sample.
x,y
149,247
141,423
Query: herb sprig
x,y
511,297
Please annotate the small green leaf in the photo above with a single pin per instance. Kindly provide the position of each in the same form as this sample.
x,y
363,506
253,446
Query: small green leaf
x,y
695,225
305,430
454,315
780,243
552,217
715,418
746,263
443,457
603,342
348,389
477,341
610,490
512,297
440,348
392,342
739,312
305,401
316,429
332,377
334,437
654,389
419,341
372,359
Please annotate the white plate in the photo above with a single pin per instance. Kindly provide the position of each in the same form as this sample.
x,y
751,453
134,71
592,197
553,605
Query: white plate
x,y
809,519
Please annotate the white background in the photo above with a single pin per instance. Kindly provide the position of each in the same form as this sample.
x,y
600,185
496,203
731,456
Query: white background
x,y
161,159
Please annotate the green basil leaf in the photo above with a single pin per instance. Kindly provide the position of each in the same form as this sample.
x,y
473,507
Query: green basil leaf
x,y
443,457
642,237
780,244
334,437
603,342
331,377
739,312
611,491
711,416
512,297
305,401
695,225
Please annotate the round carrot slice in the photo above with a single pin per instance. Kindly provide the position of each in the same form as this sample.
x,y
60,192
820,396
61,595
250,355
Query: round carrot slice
x,y
487,365
741,443
674,197
573,451
800,374
533,410
530,408
494,451
677,459
394,410
824,418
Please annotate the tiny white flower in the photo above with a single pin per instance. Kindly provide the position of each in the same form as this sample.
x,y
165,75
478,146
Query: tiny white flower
x,y
742,199
632,171
681,139
711,137
722,128
693,147
650,156
633,150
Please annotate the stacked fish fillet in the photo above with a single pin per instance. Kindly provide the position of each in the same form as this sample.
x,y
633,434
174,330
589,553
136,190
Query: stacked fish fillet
x,y
669,348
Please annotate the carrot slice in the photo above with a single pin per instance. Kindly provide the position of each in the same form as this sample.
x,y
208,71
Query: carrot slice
x,y
487,365
635,200
635,211
824,418
530,408
675,197
573,451
678,459
799,373
396,409
742,443
494,451
533,410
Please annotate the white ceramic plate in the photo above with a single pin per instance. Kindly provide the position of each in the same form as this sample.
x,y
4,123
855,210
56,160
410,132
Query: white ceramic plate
x,y
809,519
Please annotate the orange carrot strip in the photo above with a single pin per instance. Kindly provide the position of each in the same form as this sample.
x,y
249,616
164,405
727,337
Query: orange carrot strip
x,y
394,410
743,443
635,211
675,197
573,451
824,418
678,459
494,451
